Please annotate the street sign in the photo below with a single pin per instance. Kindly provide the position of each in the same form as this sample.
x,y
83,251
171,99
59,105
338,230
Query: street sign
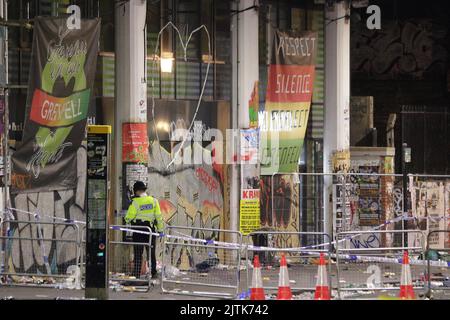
x,y
98,155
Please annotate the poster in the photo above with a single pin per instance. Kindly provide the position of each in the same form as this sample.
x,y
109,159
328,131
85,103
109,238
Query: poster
x,y
134,158
369,207
288,100
62,73
134,142
250,181
249,209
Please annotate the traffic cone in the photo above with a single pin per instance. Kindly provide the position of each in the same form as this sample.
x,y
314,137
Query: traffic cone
x,y
284,289
257,290
322,289
406,286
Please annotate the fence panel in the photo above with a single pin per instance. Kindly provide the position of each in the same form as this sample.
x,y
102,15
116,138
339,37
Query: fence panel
x,y
368,264
55,258
302,251
438,266
195,262
122,261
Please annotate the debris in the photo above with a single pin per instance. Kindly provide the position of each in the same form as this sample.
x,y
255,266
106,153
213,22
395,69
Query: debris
x,y
223,267
342,281
446,283
437,284
203,274
266,278
206,265
292,281
171,271
129,289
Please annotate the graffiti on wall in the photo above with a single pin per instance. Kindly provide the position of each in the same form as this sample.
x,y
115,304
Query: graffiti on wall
x,y
28,254
189,196
410,48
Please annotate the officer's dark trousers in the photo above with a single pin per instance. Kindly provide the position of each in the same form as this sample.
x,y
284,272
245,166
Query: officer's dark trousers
x,y
139,249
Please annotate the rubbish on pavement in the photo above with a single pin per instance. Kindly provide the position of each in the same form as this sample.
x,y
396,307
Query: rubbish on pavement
x,y
171,271
207,264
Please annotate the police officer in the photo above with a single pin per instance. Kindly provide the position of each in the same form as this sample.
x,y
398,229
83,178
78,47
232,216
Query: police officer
x,y
144,211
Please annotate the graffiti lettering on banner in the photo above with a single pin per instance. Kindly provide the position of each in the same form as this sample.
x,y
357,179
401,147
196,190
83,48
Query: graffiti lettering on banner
x,y
249,211
62,76
288,99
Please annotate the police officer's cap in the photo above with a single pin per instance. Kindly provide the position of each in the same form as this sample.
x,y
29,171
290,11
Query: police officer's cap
x,y
139,185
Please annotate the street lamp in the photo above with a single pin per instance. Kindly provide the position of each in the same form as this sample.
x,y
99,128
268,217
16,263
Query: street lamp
x,y
166,62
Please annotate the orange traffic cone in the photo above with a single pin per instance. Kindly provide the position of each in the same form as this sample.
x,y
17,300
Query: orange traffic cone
x,y
406,286
257,290
322,289
284,289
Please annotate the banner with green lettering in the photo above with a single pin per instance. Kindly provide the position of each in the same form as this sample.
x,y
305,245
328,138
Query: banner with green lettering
x,y
62,73
288,99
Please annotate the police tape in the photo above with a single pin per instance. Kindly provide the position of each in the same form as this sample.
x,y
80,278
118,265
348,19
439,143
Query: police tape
x,y
34,214
304,250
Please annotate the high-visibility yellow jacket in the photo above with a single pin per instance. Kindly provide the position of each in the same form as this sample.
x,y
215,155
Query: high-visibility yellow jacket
x,y
145,208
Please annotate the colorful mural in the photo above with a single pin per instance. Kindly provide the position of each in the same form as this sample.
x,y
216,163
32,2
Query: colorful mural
x,y
189,195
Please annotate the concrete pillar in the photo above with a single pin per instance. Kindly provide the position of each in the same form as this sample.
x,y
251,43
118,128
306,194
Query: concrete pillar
x,y
130,78
337,94
244,34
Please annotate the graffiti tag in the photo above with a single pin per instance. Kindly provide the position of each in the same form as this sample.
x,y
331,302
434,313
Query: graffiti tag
x,y
372,241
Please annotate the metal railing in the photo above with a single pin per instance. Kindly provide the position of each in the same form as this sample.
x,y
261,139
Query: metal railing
x,y
440,267
302,251
370,261
49,258
123,260
195,258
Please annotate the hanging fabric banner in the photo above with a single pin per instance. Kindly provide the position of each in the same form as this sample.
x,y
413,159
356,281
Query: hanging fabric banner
x,y
60,91
288,100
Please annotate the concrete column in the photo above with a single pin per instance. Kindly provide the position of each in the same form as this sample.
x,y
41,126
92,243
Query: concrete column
x,y
337,94
244,33
130,78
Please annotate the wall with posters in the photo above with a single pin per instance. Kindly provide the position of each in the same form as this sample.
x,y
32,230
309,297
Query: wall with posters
x,y
431,205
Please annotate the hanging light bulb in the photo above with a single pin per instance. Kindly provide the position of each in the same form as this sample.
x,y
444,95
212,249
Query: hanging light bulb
x,y
166,62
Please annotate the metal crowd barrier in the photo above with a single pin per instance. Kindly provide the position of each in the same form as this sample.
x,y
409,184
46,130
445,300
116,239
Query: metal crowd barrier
x,y
190,264
370,261
302,251
82,257
50,266
122,258
436,273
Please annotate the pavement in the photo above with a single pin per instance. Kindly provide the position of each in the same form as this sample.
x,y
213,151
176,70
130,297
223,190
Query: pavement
x,y
37,293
